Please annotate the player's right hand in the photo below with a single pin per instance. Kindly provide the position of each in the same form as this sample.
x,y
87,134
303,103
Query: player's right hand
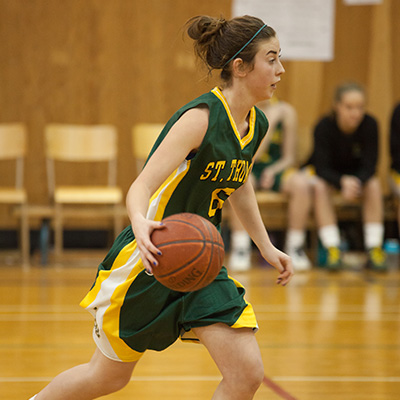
x,y
142,228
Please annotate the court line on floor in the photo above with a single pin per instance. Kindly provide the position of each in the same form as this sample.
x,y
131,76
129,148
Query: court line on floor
x,y
259,308
277,389
83,316
361,379
216,378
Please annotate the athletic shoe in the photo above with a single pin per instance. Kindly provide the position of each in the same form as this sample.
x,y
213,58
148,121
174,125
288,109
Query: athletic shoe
x,y
334,258
377,259
300,260
240,260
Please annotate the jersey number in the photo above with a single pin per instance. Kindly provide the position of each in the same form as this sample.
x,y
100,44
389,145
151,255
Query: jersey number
x,y
218,198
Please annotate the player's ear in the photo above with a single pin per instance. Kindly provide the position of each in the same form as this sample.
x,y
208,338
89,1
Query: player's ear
x,y
239,68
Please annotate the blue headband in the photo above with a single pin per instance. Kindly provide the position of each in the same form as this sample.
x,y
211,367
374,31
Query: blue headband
x,y
238,52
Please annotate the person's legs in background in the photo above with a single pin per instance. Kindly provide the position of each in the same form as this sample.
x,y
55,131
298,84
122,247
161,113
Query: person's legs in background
x,y
298,187
328,229
395,186
240,245
373,224
240,242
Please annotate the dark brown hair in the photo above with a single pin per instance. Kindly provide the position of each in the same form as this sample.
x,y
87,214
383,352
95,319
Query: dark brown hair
x,y
347,87
216,40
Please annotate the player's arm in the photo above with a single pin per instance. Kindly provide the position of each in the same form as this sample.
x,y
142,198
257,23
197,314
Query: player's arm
x,y
244,203
184,137
288,117
324,152
395,135
289,125
369,153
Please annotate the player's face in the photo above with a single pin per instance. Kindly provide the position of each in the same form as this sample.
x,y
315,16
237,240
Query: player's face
x,y
267,70
350,110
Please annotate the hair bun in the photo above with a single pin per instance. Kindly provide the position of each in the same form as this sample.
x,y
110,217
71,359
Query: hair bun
x,y
216,40
204,25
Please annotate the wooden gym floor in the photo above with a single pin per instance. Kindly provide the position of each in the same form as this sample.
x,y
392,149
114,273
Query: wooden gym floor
x,y
325,336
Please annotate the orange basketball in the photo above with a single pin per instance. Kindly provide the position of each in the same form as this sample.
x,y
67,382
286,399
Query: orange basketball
x,y
192,252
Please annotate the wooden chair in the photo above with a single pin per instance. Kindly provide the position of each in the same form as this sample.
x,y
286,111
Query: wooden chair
x,y
13,148
66,144
143,137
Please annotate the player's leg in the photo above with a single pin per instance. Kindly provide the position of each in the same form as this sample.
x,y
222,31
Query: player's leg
x,y
373,201
394,181
328,229
298,187
373,224
237,355
97,378
324,209
240,245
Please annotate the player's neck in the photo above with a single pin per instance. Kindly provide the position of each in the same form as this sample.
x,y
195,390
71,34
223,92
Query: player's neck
x,y
239,106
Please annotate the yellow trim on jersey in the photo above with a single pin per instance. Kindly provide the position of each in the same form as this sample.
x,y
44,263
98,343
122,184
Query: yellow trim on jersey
x,y
249,136
121,259
166,190
395,176
309,170
111,317
119,286
288,173
247,318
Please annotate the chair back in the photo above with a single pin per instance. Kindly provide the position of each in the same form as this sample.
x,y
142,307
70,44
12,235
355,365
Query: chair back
x,y
12,141
143,137
13,147
80,143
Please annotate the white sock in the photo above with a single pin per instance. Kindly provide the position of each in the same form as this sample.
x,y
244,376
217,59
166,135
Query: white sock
x,y
295,239
329,236
373,234
33,398
240,240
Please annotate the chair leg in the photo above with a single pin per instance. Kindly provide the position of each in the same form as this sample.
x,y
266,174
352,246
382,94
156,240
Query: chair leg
x,y
44,240
58,231
24,237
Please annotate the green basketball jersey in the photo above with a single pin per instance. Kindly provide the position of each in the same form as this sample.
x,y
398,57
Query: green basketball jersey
x,y
133,312
271,156
274,152
204,180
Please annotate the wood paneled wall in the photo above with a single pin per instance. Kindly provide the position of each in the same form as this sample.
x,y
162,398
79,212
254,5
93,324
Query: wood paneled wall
x,y
127,61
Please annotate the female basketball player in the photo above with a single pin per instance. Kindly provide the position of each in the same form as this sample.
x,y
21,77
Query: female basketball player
x,y
203,155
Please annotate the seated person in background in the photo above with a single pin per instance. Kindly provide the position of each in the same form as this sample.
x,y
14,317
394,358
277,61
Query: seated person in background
x,y
274,170
345,157
395,157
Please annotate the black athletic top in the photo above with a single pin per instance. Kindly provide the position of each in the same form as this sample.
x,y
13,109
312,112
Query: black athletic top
x,y
337,153
395,139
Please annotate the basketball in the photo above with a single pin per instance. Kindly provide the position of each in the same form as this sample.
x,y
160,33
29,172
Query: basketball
x,y
192,252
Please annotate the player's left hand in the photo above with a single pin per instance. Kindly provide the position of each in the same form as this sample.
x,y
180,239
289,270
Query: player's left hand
x,y
283,263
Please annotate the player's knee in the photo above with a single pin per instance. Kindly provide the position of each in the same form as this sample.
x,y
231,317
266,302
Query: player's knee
x,y
321,186
250,375
255,374
373,185
109,383
114,384
300,184
119,382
